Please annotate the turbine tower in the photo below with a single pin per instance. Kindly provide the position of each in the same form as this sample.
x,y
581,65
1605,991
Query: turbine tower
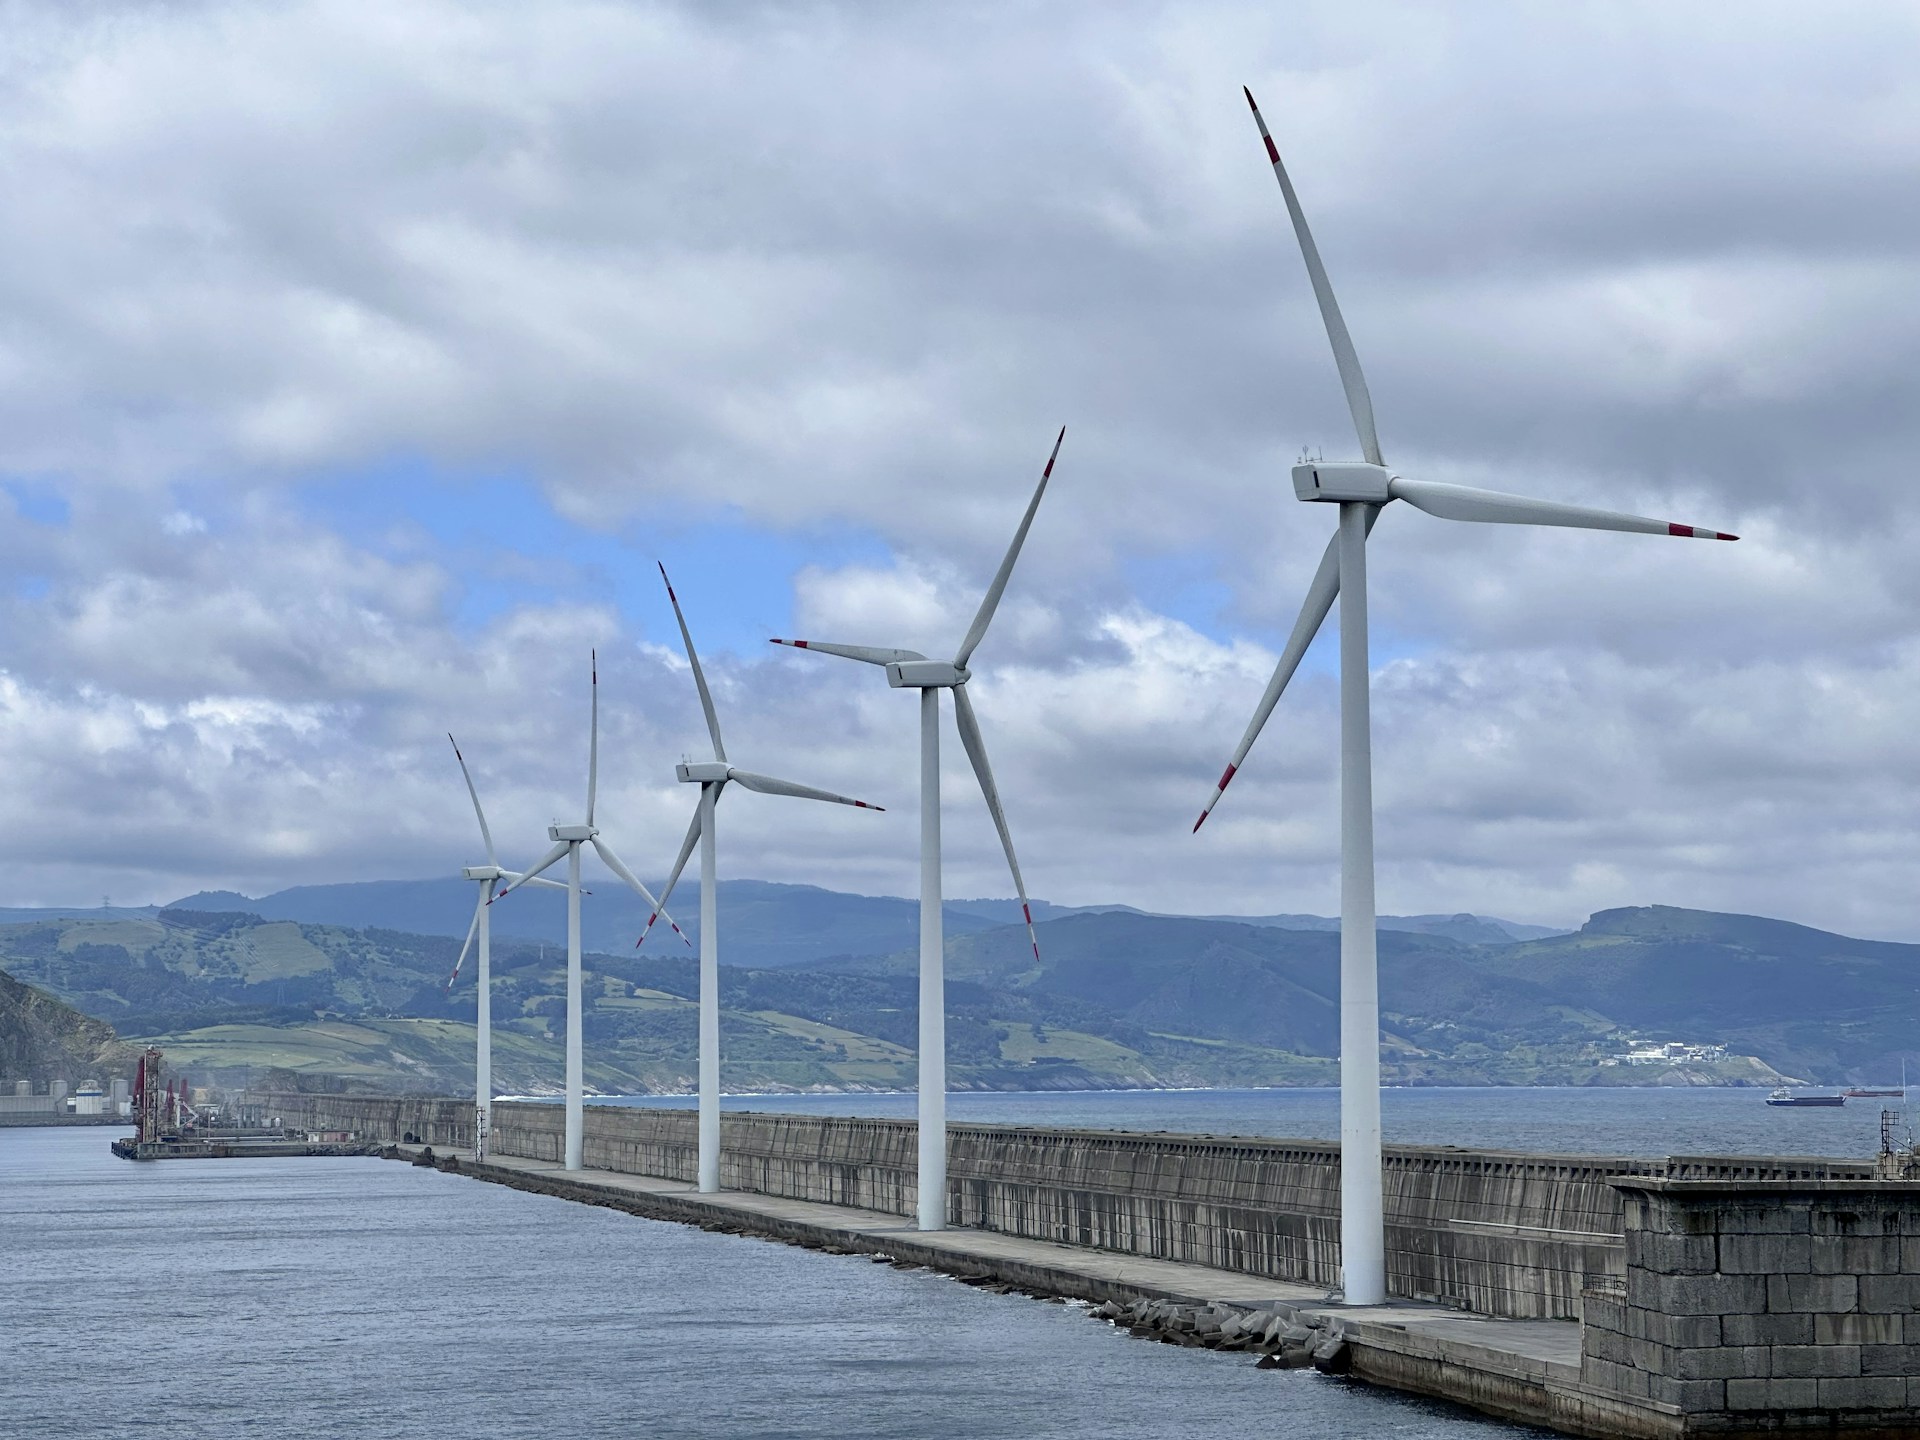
x,y
713,776
567,840
487,876
910,670
1360,488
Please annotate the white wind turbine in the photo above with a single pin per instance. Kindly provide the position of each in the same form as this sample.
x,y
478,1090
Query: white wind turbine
x,y
910,670
713,776
1361,488
487,876
567,840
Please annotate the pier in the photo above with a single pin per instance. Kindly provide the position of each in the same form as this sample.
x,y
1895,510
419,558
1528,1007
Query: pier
x,y
1730,1296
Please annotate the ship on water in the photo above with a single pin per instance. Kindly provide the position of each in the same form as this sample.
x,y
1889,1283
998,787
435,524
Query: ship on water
x,y
1800,1099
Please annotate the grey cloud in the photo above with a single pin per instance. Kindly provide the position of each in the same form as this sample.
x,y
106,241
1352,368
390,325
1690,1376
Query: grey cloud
x,y
831,264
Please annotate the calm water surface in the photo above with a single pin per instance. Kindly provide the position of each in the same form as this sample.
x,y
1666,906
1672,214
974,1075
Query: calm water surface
x,y
348,1298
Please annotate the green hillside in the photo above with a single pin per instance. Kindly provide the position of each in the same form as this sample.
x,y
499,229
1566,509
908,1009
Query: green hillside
x,y
1810,1002
1117,998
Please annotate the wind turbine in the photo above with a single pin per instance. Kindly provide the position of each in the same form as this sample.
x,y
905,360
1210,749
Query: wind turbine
x,y
910,670
567,840
713,776
1361,488
487,876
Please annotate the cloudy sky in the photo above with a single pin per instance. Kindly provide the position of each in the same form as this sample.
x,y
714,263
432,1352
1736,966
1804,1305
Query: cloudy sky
x,y
357,363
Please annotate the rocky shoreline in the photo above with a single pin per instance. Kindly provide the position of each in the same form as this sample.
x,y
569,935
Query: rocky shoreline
x,y
1283,1338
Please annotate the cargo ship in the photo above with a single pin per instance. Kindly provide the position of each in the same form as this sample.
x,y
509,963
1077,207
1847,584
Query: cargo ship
x,y
1855,1092
1797,1099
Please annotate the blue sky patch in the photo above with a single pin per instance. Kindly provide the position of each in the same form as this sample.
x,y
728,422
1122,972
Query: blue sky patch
x,y
508,546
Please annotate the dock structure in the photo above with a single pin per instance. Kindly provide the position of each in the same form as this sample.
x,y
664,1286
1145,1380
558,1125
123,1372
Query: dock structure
x,y
1727,1296
168,1127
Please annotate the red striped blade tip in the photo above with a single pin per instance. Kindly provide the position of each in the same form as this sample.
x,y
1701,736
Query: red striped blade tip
x,y
1695,532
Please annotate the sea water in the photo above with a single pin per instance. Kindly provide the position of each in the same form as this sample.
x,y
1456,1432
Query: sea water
x,y
351,1298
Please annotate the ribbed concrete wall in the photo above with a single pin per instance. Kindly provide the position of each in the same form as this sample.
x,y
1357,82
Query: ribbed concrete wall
x,y
1501,1234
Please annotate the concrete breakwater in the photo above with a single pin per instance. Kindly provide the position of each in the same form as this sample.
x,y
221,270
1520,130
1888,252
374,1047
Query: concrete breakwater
x,y
1748,1308
1513,1235
1737,1297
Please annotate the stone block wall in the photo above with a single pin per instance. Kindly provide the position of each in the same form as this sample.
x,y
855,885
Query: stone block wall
x,y
1761,1306
1530,1236
379,1117
1500,1234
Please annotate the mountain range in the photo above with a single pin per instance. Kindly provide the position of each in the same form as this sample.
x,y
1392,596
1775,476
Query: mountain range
x,y
822,994
767,924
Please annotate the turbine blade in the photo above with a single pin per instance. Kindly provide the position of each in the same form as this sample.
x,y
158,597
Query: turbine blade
x,y
615,864
1313,614
479,814
984,617
593,736
679,864
976,748
873,655
699,676
767,785
557,853
1344,355
536,884
1463,502
479,904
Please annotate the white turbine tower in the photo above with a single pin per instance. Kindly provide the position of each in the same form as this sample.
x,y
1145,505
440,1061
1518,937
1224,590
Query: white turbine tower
x,y
1361,488
713,776
909,670
487,876
567,840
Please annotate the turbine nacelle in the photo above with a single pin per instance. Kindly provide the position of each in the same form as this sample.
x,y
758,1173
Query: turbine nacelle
x,y
1343,480
926,675
571,834
482,872
702,772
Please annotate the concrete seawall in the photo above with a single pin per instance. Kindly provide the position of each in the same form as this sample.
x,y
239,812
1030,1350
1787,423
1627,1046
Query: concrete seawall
x,y
1512,1235
1734,1297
